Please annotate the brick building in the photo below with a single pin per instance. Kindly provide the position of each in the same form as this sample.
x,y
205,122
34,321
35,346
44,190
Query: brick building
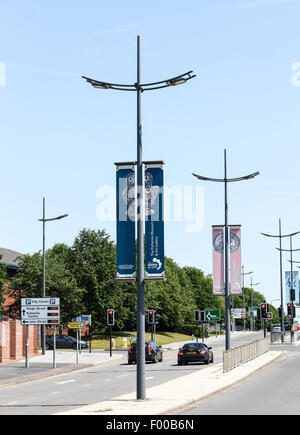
x,y
12,333
10,259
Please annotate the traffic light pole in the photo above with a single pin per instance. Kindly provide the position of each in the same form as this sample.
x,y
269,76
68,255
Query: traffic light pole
x,y
110,340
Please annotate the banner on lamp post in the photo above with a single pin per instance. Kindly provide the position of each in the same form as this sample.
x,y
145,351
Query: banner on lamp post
x,y
126,203
218,259
295,287
235,260
154,221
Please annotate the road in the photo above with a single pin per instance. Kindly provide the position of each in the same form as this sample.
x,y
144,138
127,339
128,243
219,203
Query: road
x,y
104,381
272,391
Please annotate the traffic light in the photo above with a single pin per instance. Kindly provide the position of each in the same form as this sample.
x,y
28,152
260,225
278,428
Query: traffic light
x,y
197,316
110,317
291,310
151,316
202,316
279,312
258,313
263,310
155,317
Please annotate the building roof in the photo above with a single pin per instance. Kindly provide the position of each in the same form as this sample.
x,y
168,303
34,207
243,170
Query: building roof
x,y
9,257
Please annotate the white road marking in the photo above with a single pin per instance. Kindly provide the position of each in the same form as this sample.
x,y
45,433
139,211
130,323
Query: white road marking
x,y
65,382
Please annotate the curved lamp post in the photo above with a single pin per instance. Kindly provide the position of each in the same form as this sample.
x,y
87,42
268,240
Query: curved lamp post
x,y
280,236
44,220
139,87
292,290
226,180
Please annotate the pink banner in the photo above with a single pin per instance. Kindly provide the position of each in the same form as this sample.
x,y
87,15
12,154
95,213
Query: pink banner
x,y
235,260
218,260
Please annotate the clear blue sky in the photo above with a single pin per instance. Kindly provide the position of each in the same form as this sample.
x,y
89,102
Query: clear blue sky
x,y
60,137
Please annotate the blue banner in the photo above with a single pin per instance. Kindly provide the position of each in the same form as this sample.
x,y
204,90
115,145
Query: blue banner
x,y
126,222
154,222
295,286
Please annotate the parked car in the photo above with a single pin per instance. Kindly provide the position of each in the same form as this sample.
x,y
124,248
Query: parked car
x,y
195,352
153,352
65,342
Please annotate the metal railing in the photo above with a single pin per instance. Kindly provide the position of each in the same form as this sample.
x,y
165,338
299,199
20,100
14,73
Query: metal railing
x,y
239,355
275,336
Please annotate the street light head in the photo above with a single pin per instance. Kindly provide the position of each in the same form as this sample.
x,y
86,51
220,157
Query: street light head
x,y
175,82
100,85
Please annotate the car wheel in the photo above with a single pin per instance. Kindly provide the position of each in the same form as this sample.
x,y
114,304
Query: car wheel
x,y
47,347
161,358
212,359
179,363
206,361
130,362
74,347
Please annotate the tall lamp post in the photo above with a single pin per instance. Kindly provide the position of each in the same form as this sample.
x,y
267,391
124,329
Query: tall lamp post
x,y
139,87
44,220
292,290
280,236
243,274
226,180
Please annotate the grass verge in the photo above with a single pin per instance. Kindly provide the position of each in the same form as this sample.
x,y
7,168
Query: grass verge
x,y
101,340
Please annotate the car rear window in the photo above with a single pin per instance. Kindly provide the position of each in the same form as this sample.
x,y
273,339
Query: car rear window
x,y
194,345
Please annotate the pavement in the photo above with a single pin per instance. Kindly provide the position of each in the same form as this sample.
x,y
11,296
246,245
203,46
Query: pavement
x,y
42,366
165,398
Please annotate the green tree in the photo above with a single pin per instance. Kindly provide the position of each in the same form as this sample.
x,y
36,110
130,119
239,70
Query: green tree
x,y
3,271
94,266
60,281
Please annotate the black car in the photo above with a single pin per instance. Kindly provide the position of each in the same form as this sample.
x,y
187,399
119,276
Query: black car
x,y
195,352
64,342
153,352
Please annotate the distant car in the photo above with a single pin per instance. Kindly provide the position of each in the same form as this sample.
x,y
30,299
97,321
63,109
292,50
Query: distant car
x,y
153,352
287,326
195,352
276,327
64,342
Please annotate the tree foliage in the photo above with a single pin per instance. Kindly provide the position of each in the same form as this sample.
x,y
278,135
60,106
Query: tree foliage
x,y
83,277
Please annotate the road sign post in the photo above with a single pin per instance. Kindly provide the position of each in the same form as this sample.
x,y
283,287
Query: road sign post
x,y
40,311
212,314
77,326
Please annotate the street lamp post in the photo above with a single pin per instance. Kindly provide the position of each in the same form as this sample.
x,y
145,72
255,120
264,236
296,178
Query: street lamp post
x,y
226,180
44,220
243,274
139,87
280,236
292,290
